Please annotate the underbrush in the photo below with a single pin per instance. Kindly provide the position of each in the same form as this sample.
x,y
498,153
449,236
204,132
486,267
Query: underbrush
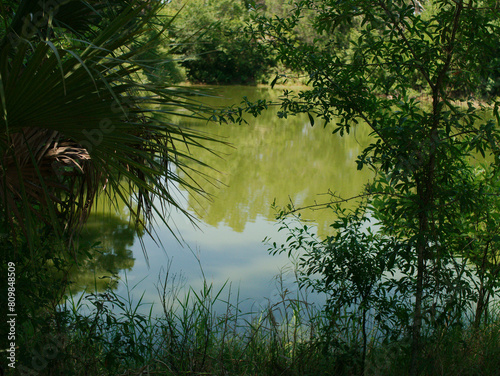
x,y
108,334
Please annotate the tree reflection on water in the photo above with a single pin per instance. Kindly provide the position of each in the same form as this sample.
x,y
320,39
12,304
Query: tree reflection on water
x,y
110,239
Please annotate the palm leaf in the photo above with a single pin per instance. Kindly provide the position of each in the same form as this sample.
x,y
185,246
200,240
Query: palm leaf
x,y
76,118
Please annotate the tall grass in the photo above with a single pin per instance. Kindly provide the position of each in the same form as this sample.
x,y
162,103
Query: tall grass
x,y
108,334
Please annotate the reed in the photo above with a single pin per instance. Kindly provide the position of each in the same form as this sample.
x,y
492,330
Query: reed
x,y
206,332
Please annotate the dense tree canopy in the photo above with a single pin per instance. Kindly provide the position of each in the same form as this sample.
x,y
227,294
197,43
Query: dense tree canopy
x,y
221,48
216,49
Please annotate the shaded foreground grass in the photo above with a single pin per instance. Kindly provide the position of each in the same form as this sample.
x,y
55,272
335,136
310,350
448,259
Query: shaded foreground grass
x,y
106,334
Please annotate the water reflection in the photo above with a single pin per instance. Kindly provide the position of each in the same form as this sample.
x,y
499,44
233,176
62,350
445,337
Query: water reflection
x,y
110,237
277,159
272,159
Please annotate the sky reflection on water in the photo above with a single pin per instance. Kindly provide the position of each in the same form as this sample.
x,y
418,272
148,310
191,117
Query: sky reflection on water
x,y
272,160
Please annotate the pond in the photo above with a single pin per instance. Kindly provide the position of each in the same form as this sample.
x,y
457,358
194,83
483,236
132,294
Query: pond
x,y
271,160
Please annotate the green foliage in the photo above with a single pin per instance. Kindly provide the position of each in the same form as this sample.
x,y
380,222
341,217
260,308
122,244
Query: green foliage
x,y
80,117
106,334
40,276
422,146
369,282
218,51
206,331
478,236
353,270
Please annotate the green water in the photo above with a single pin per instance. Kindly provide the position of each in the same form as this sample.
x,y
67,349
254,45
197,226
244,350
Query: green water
x,y
278,160
270,160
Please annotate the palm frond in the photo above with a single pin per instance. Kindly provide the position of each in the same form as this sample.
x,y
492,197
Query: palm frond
x,y
76,117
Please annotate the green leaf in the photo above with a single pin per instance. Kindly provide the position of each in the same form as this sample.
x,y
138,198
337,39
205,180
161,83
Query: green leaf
x,y
274,81
311,119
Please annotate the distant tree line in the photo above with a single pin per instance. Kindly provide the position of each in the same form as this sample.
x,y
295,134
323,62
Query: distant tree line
x,y
216,44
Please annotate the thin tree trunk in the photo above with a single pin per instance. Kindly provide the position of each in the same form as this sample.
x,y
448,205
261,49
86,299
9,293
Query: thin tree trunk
x,y
365,341
425,192
417,314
